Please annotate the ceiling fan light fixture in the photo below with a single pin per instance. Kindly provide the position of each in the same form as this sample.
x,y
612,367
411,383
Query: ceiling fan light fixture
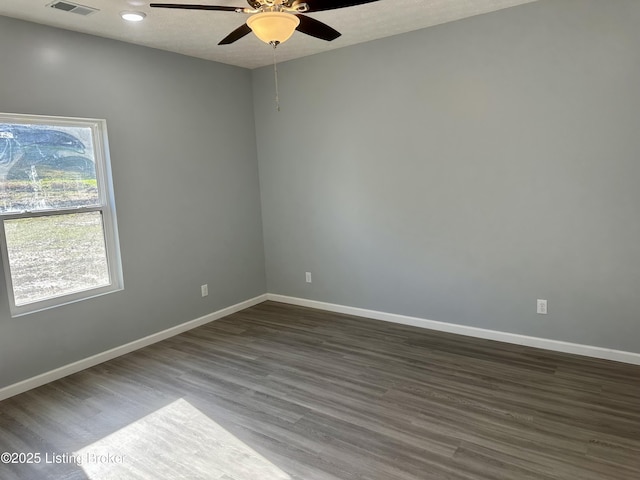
x,y
273,27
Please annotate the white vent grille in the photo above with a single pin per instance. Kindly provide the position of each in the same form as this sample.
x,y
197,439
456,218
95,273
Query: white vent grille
x,y
73,8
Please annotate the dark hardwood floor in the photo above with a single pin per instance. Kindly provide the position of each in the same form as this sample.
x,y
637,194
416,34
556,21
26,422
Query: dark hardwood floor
x,y
288,393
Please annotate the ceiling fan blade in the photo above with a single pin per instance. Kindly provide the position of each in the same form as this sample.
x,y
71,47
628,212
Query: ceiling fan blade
x,y
317,29
237,34
319,5
186,6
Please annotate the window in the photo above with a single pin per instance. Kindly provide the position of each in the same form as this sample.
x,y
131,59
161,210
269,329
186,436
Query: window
x,y
58,227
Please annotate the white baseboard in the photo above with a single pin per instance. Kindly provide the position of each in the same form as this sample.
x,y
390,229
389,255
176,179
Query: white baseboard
x,y
544,343
61,372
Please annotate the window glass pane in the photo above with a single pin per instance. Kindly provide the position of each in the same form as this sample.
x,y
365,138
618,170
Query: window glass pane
x,y
46,167
56,255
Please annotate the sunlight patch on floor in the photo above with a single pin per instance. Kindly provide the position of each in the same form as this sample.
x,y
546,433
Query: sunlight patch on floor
x,y
176,441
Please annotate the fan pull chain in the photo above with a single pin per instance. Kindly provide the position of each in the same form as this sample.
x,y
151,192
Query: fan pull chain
x,y
275,73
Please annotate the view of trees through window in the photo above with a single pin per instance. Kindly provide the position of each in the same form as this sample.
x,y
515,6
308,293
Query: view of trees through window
x,y
45,168
52,210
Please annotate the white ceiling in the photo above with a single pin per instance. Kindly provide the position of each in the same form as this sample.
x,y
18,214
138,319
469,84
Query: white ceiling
x,y
196,33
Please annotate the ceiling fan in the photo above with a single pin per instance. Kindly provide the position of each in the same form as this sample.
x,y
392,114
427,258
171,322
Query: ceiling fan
x,y
274,21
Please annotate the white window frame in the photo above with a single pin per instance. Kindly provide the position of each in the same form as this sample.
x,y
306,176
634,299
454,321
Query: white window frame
x,y
106,205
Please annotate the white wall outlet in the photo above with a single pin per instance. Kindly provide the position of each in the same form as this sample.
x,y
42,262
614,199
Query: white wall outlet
x,y
307,276
204,289
541,307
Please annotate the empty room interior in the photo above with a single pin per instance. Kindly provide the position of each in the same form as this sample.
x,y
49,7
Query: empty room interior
x,y
408,253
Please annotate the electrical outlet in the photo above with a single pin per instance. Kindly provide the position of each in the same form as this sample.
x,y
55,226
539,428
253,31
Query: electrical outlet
x,y
541,307
307,276
204,289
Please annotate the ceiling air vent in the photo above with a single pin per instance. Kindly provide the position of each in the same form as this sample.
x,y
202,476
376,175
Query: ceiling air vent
x,y
73,8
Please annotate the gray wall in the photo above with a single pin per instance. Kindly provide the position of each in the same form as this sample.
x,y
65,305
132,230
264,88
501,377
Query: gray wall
x,y
460,172
186,186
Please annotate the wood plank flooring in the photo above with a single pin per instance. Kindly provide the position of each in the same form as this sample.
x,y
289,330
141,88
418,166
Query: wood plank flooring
x,y
289,393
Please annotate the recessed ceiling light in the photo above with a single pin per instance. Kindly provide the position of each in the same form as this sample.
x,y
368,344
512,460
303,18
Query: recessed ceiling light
x,y
133,16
